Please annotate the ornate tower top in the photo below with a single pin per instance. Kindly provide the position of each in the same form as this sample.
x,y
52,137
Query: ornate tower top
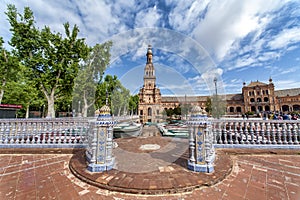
x,y
149,54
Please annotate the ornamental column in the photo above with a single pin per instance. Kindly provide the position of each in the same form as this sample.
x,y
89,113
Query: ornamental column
x,y
100,142
202,153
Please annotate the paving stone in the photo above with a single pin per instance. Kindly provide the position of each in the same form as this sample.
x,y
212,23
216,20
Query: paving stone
x,y
239,173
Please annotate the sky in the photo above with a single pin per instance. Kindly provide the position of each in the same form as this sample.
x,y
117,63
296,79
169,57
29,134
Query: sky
x,y
193,42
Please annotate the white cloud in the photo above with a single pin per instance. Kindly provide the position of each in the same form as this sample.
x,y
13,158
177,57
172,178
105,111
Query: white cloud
x,y
185,14
227,22
285,38
147,18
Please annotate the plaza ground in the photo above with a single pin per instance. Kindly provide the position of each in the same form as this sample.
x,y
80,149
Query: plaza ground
x,y
153,174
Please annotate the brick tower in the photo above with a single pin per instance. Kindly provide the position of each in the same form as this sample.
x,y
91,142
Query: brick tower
x,y
149,95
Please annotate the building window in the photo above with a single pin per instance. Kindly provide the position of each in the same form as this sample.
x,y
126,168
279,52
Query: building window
x,y
149,112
258,99
141,112
231,109
267,108
252,100
266,99
238,109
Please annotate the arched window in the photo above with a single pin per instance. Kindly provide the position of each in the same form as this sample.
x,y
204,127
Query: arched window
x,y
266,99
267,108
285,108
149,112
258,99
141,112
296,107
253,109
238,109
231,109
252,100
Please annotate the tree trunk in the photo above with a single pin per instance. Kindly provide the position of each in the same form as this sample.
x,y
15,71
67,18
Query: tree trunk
x,y
2,90
27,112
51,110
1,95
84,110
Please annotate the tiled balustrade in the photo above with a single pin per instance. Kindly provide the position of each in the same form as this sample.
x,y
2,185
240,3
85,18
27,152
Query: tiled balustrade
x,y
247,133
51,133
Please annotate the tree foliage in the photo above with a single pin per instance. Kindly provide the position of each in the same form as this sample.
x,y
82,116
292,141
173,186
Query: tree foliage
x,y
91,73
52,60
117,95
9,66
21,91
133,104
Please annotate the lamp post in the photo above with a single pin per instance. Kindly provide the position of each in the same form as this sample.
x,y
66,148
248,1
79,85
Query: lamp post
x,y
215,81
216,88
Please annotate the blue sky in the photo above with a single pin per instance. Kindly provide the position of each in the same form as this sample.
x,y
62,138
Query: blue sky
x,y
193,41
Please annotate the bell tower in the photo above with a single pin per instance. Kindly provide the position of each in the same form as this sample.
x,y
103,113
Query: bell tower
x,y
149,72
149,95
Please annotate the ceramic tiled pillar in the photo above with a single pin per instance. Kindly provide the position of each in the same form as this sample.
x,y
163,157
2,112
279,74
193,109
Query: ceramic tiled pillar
x,y
202,154
100,144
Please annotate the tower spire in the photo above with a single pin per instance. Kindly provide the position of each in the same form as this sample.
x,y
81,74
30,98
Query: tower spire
x,y
149,54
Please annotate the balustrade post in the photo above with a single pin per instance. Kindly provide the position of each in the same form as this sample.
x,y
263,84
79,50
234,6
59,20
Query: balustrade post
x,y
230,132
241,132
235,132
284,130
202,154
257,131
296,133
99,151
268,133
252,132
289,133
220,132
225,133
262,132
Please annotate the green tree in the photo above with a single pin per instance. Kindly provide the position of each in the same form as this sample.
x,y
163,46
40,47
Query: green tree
x,y
218,106
9,66
51,59
91,71
208,107
133,104
118,95
22,91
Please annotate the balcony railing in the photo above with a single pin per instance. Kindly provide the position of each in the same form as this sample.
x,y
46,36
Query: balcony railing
x,y
72,133
250,133
50,133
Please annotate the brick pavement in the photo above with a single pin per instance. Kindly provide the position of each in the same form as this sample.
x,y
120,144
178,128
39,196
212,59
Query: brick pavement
x,y
255,174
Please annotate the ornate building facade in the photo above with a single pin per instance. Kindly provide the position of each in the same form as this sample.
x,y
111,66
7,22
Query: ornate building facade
x,y
149,95
256,97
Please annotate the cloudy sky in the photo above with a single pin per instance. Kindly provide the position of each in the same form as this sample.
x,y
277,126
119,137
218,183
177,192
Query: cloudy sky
x,y
193,42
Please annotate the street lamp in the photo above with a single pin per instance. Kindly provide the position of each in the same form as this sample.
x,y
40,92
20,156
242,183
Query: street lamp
x,y
215,81
216,88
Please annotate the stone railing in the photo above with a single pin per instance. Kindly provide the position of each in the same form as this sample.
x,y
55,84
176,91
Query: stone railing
x,y
50,133
27,133
72,133
261,133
